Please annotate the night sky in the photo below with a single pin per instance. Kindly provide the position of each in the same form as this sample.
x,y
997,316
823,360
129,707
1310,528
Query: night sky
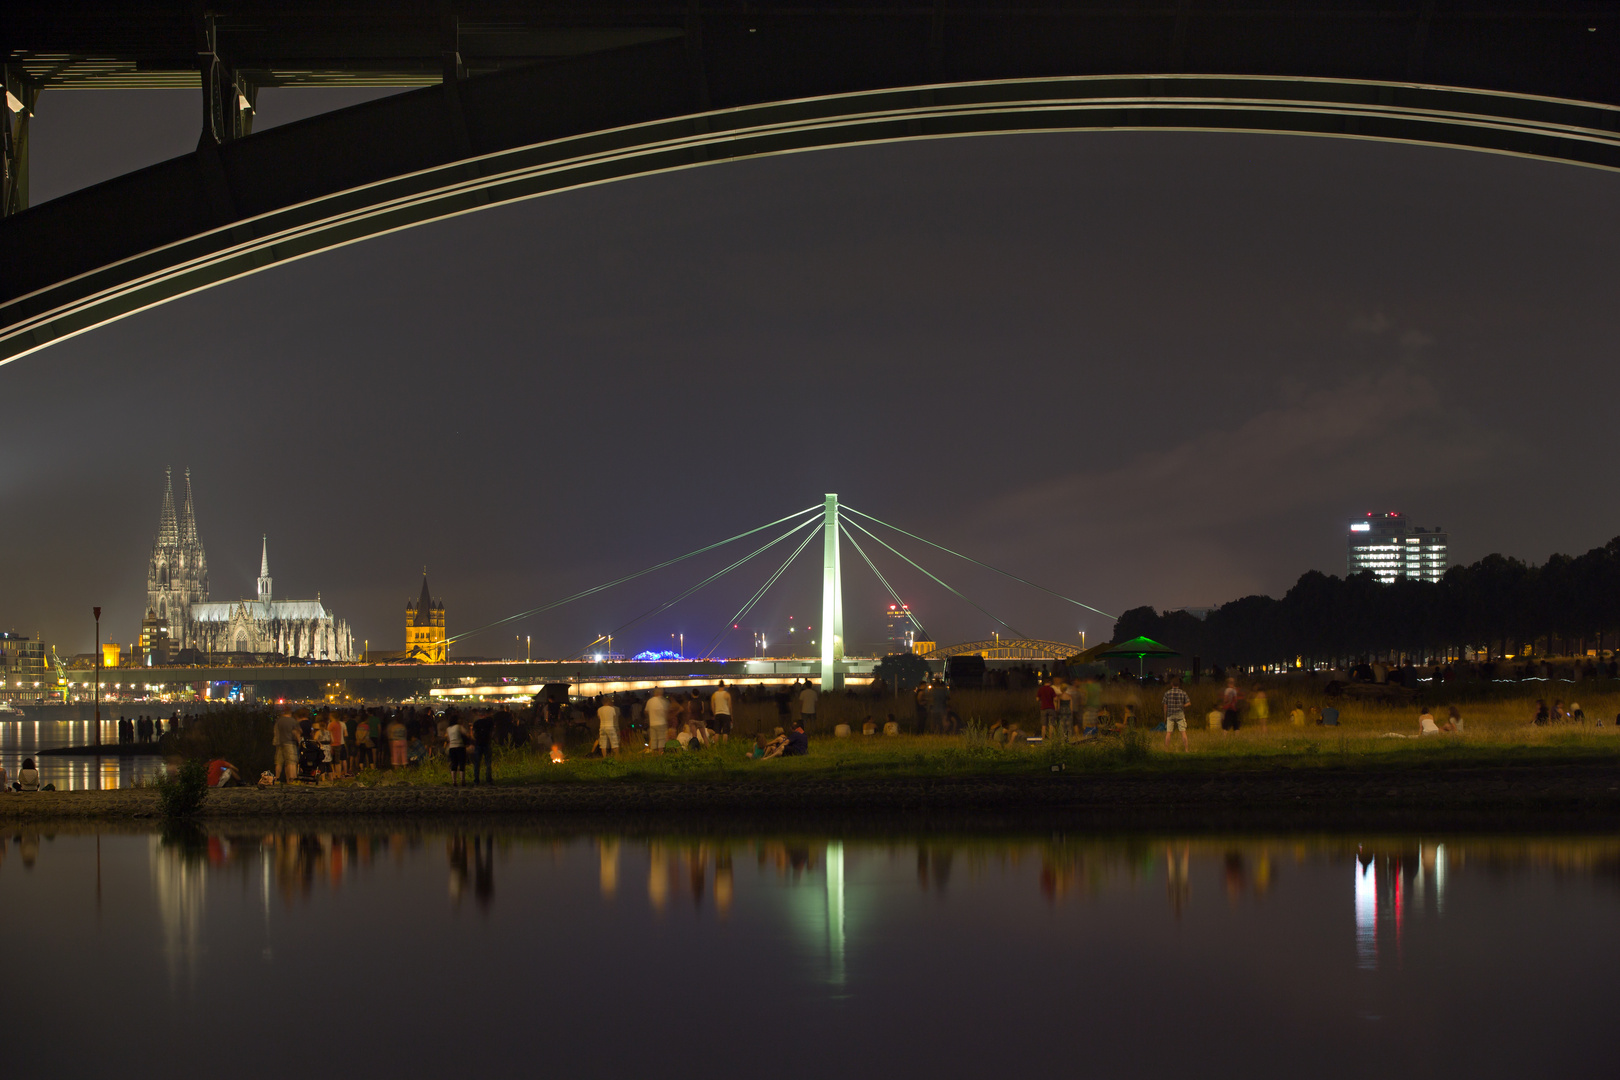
x,y
1140,368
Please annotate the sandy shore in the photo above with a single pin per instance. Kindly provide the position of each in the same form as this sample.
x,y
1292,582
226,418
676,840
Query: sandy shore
x,y
1578,796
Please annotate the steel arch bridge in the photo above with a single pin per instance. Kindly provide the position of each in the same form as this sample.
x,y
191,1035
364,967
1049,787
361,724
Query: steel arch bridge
x,y
698,85
1008,649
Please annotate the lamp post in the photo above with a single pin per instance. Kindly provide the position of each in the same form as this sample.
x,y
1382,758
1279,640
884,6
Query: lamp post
x,y
97,613
528,648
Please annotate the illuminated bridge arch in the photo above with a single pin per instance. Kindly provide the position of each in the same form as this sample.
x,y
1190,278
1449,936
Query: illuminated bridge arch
x,y
253,202
1009,649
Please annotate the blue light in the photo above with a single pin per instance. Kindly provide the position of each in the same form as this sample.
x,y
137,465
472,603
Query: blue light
x,y
657,654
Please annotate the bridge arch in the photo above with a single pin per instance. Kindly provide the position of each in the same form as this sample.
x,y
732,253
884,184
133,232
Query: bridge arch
x,y
227,211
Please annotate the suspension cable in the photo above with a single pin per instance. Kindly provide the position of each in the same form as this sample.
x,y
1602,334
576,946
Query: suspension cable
x,y
714,642
628,577
872,567
892,548
667,604
976,562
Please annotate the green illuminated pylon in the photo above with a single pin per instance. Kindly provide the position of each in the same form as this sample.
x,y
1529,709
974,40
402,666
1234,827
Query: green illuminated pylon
x,y
832,600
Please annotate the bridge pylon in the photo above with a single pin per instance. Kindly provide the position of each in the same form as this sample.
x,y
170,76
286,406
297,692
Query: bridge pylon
x,y
832,600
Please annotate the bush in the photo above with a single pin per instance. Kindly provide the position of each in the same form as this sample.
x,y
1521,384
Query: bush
x,y
181,794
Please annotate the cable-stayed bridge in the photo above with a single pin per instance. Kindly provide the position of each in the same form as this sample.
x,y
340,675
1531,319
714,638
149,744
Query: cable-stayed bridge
x,y
588,669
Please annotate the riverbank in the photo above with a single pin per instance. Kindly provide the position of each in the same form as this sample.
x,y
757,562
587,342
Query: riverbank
x,y
1564,796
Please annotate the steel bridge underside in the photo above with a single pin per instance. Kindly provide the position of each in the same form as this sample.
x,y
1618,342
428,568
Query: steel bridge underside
x,y
527,100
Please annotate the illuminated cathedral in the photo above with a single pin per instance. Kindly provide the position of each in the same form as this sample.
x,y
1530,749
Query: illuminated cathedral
x,y
180,616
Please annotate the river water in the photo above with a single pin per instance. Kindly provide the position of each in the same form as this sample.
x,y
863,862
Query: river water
x,y
545,952
43,727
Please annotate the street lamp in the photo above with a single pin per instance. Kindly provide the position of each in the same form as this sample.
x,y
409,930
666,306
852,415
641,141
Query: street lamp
x,y
97,613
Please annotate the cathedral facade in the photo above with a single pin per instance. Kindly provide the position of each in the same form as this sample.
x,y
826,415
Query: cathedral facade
x,y
179,612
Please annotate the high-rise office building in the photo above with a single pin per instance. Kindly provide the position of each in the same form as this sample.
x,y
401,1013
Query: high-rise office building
x,y
1390,547
901,631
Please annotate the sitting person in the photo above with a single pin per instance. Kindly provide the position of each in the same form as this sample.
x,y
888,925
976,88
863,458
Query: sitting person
x,y
1297,717
1130,715
1426,724
1328,716
868,728
1453,722
27,777
798,743
1105,722
1576,713
998,733
1542,715
775,748
222,773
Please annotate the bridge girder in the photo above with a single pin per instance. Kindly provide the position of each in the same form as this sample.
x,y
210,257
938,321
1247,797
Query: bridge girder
x,y
710,86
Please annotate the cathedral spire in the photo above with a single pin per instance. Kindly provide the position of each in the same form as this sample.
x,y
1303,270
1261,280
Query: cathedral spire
x,y
188,516
168,529
264,571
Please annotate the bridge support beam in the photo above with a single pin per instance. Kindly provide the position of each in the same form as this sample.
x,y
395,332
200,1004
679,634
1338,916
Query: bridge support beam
x,y
20,98
832,601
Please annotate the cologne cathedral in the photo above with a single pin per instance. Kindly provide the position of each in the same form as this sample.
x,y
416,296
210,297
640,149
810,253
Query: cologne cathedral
x,y
179,616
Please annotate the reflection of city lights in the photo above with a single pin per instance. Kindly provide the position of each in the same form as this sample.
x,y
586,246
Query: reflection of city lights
x,y
1366,915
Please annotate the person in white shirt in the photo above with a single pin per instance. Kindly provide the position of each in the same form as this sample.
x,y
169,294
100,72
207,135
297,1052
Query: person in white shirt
x,y
455,737
607,737
720,705
807,703
657,720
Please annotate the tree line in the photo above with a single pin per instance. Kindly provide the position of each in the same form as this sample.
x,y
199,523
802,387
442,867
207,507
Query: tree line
x,y
1496,607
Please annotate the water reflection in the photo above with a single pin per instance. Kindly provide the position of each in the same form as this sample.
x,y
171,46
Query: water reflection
x,y
58,726
1392,881
884,938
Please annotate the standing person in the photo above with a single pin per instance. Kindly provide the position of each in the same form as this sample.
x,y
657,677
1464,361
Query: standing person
x,y
1259,707
286,744
938,706
657,719
456,751
1175,712
1046,698
1231,706
365,752
720,705
483,734
1093,699
1068,696
919,701
697,729
607,720
677,715
808,697
338,732
397,734
781,696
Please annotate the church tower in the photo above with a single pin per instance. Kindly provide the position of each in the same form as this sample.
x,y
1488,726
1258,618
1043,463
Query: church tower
x,y
177,573
424,627
264,571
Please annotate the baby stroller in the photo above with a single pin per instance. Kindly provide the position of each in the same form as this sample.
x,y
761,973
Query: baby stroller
x,y
311,762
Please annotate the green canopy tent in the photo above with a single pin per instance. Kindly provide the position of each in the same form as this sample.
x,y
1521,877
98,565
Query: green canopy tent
x,y
1141,648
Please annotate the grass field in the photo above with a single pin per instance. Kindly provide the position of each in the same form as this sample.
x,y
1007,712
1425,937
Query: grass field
x,y
1497,734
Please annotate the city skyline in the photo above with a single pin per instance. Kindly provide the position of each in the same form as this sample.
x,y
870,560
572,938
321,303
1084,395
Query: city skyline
x,y
1187,418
